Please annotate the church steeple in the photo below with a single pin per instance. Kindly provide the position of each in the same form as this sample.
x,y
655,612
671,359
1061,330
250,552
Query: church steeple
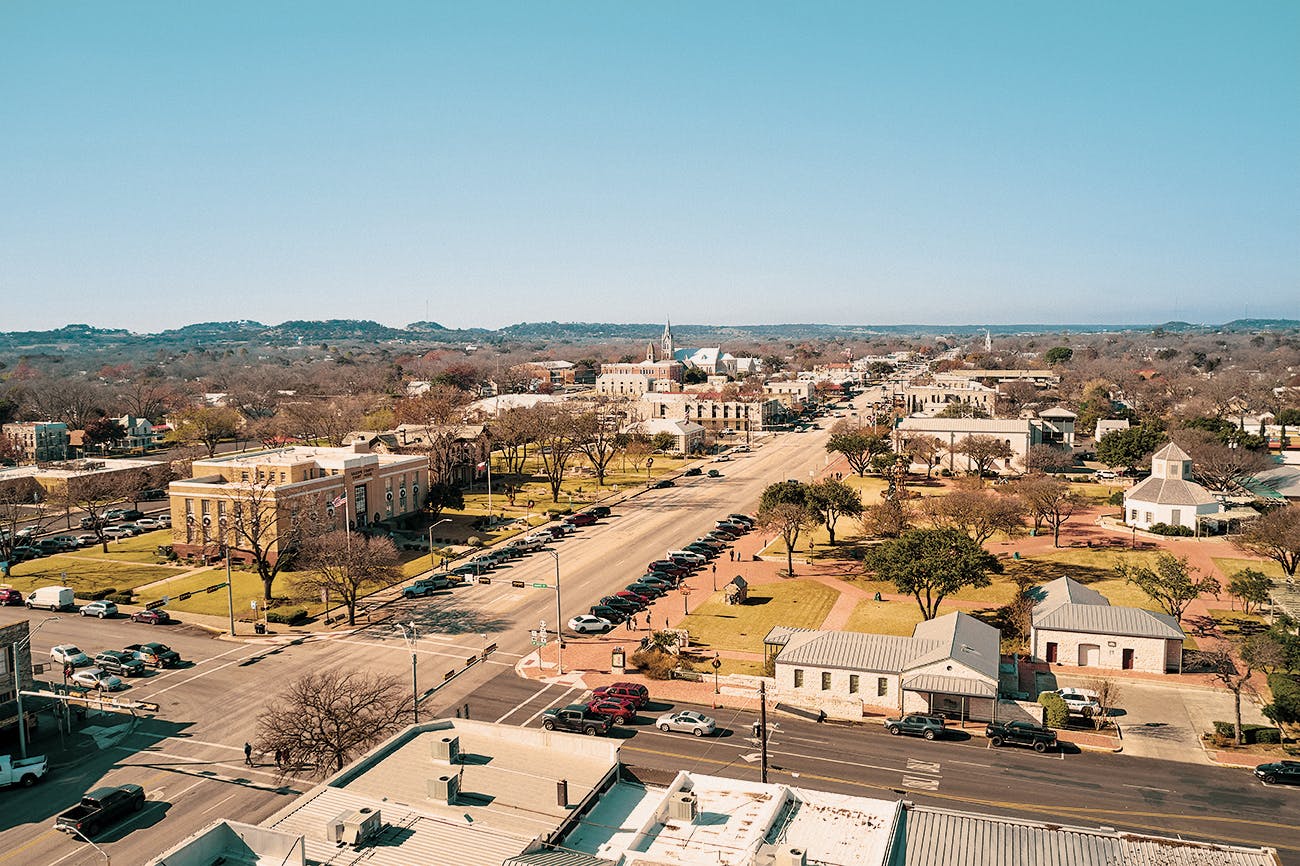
x,y
666,341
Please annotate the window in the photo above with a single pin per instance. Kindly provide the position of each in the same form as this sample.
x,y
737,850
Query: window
x,y
882,686
853,684
798,678
1148,517
826,681
1133,514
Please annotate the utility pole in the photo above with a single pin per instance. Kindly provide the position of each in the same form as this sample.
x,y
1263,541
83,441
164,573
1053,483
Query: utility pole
x,y
762,727
411,638
559,623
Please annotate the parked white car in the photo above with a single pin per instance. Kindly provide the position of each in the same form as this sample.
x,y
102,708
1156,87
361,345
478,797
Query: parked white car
x,y
98,678
1082,702
688,721
587,624
68,653
148,523
115,532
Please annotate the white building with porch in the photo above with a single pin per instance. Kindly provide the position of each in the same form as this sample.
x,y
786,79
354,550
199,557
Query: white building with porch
x,y
1169,496
949,665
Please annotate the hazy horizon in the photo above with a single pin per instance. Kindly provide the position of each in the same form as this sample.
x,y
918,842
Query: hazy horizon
x,y
483,165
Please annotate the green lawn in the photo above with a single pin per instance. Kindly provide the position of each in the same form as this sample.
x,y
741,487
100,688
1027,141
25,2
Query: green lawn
x,y
885,617
1228,566
796,603
247,587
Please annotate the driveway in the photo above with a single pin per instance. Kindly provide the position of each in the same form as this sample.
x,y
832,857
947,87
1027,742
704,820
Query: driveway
x,y
1166,721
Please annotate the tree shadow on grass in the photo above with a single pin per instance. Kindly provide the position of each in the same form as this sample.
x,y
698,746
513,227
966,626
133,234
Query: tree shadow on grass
x,y
1042,571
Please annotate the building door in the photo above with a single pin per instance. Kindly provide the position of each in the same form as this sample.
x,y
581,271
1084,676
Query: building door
x,y
1089,655
1176,517
1128,660
1051,652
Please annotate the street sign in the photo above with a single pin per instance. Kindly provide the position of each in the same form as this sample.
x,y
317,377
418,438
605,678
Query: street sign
x,y
215,587
252,605
485,580
448,675
541,586
183,596
154,605
518,584
489,649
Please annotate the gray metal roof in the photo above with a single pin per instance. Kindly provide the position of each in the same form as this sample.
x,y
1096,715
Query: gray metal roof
x,y
1065,590
944,685
1171,452
885,653
939,837
779,635
1104,619
964,639
1169,491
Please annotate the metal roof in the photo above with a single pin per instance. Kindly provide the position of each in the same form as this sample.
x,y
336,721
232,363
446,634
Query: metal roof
x,y
1169,491
1104,619
557,858
885,653
779,635
943,685
964,639
1064,590
1171,452
939,837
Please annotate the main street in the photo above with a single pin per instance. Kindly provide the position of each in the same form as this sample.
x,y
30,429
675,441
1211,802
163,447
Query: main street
x,y
189,756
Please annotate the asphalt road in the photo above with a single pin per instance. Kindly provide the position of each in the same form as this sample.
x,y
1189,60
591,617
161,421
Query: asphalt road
x,y
189,757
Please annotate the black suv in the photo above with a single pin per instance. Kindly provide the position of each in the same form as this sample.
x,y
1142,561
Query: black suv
x,y
119,662
605,611
577,719
918,725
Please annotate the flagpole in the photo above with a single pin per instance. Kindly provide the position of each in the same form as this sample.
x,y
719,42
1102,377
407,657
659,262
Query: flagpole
x,y
489,463
347,518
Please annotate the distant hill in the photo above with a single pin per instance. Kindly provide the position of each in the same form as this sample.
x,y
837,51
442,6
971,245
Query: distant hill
x,y
212,335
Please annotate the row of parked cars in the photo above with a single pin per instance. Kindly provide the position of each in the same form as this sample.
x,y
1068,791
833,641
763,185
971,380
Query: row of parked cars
x,y
104,671
661,576
617,704
531,543
125,524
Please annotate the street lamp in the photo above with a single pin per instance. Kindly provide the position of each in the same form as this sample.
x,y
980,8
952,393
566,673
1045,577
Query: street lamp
x,y
559,622
411,637
431,526
18,684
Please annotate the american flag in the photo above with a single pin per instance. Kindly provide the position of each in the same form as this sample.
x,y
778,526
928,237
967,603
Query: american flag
x,y
337,502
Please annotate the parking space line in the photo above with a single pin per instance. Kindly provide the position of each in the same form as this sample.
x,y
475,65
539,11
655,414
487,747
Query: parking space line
x,y
526,722
526,700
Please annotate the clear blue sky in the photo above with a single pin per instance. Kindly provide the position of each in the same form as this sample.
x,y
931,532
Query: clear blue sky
x,y
967,162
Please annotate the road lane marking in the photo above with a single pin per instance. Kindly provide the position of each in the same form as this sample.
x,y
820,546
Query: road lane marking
x,y
526,722
520,705
920,784
915,766
1149,788
204,673
182,760
468,651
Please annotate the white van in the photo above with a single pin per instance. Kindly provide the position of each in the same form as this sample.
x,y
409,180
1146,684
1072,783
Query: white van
x,y
52,598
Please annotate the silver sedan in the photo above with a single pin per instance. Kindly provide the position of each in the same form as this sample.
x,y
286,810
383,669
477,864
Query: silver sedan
x,y
98,678
688,722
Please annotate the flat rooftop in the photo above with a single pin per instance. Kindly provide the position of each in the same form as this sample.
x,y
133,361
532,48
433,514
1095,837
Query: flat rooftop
x,y
77,468
736,823
507,779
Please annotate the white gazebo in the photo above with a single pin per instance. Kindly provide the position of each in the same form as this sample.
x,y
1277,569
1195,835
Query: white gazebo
x,y
1169,496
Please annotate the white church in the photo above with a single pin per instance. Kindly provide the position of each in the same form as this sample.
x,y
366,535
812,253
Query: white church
x,y
1170,495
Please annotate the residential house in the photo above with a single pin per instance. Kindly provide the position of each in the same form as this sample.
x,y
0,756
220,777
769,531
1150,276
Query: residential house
x,y
1109,425
1073,625
1169,495
269,492
949,664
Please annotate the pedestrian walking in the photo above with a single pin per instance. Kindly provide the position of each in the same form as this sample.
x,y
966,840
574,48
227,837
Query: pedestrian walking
x,y
248,753
279,758
68,670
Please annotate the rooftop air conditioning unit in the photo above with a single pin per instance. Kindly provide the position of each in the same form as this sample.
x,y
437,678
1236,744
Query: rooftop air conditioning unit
x,y
791,857
445,789
354,826
682,806
447,749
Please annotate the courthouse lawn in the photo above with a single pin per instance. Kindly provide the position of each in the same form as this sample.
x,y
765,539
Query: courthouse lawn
x,y
86,576
886,617
1228,566
797,603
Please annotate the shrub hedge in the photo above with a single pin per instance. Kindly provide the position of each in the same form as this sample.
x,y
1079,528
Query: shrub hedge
x,y
1058,713
286,615
1250,734
1285,709
1166,529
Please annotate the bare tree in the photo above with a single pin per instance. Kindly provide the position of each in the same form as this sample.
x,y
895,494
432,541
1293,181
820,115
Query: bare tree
x,y
512,432
93,494
1235,674
983,451
1108,694
205,425
20,510
1045,457
270,536
73,401
889,518
1276,535
331,420
555,443
981,514
597,437
324,720
1219,466
1050,501
438,415
923,449
344,566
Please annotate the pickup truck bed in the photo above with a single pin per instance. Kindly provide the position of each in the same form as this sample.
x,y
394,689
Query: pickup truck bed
x,y
24,771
